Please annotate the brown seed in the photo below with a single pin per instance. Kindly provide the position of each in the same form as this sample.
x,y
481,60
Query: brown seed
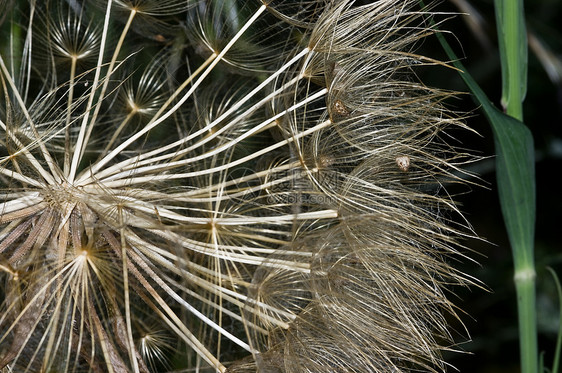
x,y
403,163
340,109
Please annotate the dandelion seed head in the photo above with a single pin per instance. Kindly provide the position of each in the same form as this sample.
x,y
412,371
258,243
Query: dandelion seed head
x,y
72,40
236,189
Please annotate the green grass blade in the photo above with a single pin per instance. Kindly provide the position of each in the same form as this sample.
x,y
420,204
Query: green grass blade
x,y
515,173
556,362
542,369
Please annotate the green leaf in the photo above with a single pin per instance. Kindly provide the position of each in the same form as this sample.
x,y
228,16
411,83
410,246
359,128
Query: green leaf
x,y
515,168
515,175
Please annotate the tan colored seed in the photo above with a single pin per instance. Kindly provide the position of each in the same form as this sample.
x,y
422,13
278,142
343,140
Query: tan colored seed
x,y
403,163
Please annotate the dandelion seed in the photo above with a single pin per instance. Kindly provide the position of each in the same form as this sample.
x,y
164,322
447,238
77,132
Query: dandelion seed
x,y
403,163
340,109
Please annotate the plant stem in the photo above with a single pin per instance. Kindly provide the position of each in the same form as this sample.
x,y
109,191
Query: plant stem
x,y
526,305
513,48
515,39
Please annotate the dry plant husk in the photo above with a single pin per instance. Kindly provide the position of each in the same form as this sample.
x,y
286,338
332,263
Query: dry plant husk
x,y
224,186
